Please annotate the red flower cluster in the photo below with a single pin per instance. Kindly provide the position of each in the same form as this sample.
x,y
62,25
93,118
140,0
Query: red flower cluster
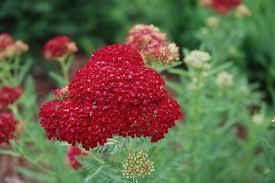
x,y
9,95
114,94
72,155
9,48
152,44
7,126
58,47
224,6
5,41
221,6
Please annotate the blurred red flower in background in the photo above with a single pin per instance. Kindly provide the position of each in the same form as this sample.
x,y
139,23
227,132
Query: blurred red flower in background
x,y
224,6
107,98
5,41
73,153
58,47
221,6
152,44
9,95
9,47
7,127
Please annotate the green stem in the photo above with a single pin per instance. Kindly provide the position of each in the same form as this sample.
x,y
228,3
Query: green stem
x,y
195,116
97,159
23,155
5,70
65,63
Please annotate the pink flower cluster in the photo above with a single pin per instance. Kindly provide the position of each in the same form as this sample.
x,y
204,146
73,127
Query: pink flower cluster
x,y
152,44
114,94
9,47
59,46
5,41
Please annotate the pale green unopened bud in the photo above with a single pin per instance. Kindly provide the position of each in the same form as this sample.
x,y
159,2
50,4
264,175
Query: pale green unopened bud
x,y
198,59
137,165
224,79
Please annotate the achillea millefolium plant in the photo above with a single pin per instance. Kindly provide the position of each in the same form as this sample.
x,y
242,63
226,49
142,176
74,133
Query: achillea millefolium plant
x,y
133,114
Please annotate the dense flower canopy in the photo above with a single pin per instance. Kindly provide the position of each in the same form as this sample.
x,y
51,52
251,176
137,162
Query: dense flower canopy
x,y
152,44
9,95
7,127
58,47
108,97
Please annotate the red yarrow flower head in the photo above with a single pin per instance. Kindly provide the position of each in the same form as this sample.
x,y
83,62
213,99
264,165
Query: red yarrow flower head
x,y
152,44
8,95
7,127
5,41
116,55
111,99
73,153
59,46
224,6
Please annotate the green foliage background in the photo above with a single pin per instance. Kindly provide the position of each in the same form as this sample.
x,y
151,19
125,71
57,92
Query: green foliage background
x,y
95,23
102,22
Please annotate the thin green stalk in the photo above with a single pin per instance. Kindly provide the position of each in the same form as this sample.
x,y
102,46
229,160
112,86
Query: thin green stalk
x,y
65,63
24,156
194,129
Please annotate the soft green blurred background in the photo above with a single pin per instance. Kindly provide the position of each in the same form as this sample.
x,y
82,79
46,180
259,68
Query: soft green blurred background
x,y
93,23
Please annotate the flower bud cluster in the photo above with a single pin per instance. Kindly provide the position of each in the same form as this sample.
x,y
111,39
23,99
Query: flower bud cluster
x,y
10,48
243,11
258,118
224,79
137,165
213,21
59,46
152,44
62,93
198,59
